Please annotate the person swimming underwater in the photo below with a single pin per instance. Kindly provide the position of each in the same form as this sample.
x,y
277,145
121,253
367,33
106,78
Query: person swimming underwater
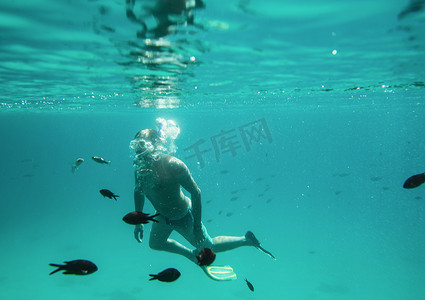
x,y
160,177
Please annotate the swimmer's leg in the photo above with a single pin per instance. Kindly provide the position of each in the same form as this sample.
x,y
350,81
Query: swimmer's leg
x,y
159,241
225,243
218,244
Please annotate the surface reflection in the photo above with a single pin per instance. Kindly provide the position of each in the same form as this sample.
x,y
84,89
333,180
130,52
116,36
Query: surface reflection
x,y
164,47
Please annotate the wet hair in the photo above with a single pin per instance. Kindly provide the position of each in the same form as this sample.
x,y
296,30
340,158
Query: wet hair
x,y
148,134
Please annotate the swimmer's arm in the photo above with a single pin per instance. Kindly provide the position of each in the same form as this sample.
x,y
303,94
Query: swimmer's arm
x,y
139,202
188,183
139,197
195,196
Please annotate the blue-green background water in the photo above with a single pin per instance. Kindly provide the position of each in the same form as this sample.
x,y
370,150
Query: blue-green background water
x,y
339,84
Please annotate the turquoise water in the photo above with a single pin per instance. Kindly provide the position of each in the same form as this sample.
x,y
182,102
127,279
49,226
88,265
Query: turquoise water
x,y
340,86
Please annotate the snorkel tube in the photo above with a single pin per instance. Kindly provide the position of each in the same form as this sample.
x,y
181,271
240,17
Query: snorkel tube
x,y
158,134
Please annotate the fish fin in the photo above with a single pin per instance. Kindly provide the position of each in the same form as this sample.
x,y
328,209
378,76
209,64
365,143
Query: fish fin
x,y
152,218
59,268
219,273
154,277
115,197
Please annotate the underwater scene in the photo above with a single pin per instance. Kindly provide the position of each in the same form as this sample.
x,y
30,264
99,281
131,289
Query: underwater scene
x,y
198,149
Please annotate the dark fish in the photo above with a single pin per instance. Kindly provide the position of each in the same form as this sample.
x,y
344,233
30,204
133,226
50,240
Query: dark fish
x,y
269,200
249,284
26,160
337,192
75,267
109,194
100,160
234,198
233,192
414,181
209,220
376,178
206,257
413,7
167,275
137,217
107,28
229,214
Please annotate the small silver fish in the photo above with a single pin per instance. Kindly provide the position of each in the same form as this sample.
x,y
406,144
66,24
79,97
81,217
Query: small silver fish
x,y
100,160
77,163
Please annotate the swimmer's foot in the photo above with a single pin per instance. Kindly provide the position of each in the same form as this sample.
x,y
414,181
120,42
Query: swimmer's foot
x,y
250,236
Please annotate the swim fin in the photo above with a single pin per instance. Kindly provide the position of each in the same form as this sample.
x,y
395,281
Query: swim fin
x,y
220,273
265,251
251,236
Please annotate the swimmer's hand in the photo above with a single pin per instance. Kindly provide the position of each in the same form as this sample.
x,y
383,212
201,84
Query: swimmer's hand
x,y
138,233
199,234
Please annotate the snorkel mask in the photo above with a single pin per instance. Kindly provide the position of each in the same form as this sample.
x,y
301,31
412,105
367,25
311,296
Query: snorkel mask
x,y
148,141
141,146
144,143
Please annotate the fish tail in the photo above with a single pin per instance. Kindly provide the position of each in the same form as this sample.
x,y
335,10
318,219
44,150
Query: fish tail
x,y
154,277
115,197
59,268
73,168
152,218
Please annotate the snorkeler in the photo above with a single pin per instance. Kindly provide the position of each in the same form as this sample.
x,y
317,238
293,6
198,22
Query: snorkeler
x,y
159,177
167,14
